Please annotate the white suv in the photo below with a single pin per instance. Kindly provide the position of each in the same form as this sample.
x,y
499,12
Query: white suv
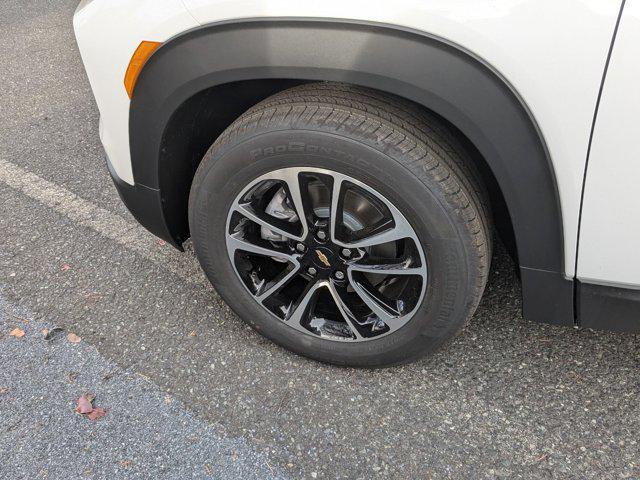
x,y
341,166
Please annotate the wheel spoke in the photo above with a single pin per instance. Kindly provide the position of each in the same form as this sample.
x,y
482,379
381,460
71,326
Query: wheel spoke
x,y
262,296
382,310
297,311
270,223
236,242
389,269
401,229
346,312
292,179
335,201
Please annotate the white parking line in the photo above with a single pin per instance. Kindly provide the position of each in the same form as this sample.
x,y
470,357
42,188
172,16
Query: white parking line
x,y
128,234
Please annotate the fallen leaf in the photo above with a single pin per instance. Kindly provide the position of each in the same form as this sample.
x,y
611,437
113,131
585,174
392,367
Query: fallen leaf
x,y
192,333
17,332
73,338
85,407
4,390
45,332
97,413
84,404
70,376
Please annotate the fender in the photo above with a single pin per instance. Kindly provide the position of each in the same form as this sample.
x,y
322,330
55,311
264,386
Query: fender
x,y
443,77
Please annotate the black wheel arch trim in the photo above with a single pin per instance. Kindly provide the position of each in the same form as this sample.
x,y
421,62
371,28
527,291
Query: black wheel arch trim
x,y
443,77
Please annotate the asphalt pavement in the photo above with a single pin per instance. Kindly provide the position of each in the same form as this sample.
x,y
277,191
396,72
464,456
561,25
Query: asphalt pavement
x,y
191,392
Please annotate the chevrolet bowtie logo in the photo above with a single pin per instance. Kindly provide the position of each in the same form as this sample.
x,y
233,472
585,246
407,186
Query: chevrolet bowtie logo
x,y
323,258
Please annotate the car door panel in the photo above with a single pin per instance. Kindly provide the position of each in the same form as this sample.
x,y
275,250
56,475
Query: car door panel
x,y
610,223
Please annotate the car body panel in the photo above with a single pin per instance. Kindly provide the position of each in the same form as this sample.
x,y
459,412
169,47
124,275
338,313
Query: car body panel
x,y
108,32
610,225
552,53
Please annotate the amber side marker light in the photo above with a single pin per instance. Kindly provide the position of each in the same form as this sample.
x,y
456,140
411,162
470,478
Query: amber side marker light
x,y
139,58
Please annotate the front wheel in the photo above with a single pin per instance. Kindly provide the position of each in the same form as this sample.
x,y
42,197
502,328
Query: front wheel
x,y
344,224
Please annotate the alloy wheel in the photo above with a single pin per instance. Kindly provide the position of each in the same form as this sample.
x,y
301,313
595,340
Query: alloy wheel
x,y
326,254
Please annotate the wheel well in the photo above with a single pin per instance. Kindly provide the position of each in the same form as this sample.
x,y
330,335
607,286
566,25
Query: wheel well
x,y
197,123
501,218
192,129
171,122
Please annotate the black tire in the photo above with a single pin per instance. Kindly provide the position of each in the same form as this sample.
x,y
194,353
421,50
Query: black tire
x,y
406,154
